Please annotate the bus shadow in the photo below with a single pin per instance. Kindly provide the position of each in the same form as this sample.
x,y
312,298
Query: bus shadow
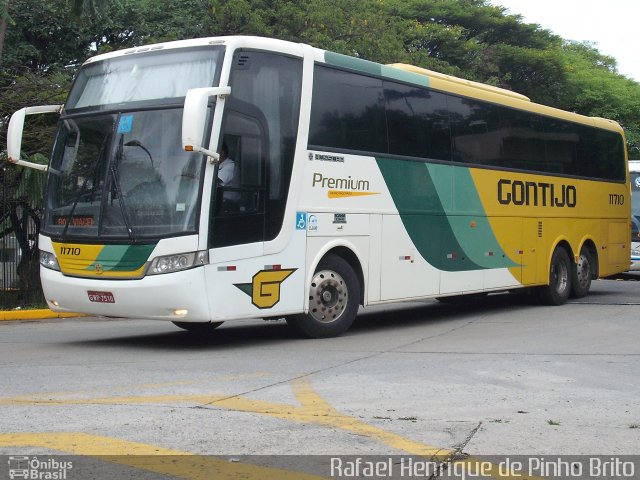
x,y
229,336
627,276
277,334
433,312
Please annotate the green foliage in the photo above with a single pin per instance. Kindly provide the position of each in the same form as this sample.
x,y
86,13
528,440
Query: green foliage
x,y
477,41
32,183
43,34
343,26
33,89
46,41
467,38
138,22
594,88
89,7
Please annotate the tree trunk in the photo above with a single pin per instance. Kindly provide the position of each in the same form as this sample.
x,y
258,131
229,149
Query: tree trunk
x,y
3,26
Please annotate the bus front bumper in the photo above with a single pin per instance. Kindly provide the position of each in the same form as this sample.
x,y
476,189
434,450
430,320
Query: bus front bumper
x,y
177,296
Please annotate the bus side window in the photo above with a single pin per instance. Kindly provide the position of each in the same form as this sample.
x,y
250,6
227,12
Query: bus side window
x,y
241,194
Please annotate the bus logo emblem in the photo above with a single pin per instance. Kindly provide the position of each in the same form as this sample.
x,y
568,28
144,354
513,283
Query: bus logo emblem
x,y
264,289
99,269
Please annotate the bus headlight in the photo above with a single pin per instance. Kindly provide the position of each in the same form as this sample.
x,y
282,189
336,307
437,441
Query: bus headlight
x,y
177,262
49,260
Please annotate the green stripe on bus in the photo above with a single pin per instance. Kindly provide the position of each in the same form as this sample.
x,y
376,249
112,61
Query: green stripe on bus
x,y
372,68
480,239
424,197
352,63
124,258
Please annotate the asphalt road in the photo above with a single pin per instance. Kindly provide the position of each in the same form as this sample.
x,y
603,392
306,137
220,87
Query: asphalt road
x,y
505,377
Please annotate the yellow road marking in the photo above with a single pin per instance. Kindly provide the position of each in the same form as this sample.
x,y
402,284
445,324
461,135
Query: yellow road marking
x,y
317,410
49,396
39,314
165,461
324,413
313,409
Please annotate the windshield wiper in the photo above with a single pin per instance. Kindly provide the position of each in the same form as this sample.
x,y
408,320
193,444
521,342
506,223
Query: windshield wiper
x,y
113,169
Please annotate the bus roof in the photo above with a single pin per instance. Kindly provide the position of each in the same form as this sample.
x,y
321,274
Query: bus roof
x,y
458,80
436,80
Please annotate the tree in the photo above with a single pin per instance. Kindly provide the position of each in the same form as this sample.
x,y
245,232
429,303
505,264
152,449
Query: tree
x,y
4,22
90,7
359,28
593,87
467,38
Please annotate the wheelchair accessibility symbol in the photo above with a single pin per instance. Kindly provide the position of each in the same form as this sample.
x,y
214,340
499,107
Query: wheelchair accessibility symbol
x,y
301,221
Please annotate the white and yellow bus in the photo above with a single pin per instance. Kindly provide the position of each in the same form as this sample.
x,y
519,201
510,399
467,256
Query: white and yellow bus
x,y
356,184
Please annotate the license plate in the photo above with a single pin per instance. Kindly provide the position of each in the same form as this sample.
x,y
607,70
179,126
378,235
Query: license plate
x,y
101,297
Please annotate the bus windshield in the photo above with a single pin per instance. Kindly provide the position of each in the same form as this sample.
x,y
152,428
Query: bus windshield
x,y
159,76
121,172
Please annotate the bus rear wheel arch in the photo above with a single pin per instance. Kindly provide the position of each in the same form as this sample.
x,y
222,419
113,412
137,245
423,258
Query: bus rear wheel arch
x,y
560,276
334,297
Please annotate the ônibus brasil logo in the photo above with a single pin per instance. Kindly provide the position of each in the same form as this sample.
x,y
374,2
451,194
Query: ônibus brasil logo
x,y
33,468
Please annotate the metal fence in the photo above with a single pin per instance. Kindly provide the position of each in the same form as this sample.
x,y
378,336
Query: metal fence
x,y
19,227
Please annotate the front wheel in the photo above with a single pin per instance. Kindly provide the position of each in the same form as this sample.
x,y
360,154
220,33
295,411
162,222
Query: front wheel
x,y
582,273
334,296
557,292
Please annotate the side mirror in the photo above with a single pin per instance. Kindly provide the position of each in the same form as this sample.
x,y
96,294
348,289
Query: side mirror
x,y
194,118
14,134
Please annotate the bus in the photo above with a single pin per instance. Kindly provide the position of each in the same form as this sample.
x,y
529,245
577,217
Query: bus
x,y
357,184
634,174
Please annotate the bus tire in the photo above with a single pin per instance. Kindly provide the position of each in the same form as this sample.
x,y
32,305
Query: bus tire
x,y
198,327
334,296
557,292
582,273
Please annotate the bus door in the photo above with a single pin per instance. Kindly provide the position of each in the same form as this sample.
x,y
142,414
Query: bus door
x,y
259,129
238,210
237,215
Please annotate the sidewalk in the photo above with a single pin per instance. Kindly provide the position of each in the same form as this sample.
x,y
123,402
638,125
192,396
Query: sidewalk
x,y
40,314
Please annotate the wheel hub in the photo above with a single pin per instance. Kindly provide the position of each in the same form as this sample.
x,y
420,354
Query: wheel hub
x,y
583,271
328,296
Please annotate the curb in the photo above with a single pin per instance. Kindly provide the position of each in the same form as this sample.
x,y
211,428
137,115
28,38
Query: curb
x,y
42,314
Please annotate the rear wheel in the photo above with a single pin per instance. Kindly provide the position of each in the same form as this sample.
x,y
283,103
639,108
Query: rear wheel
x,y
334,295
198,327
557,292
582,273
